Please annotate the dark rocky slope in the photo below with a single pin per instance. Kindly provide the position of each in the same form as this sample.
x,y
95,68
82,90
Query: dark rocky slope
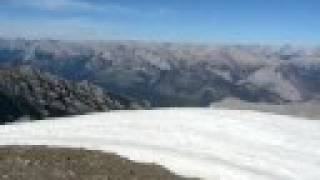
x,y
25,92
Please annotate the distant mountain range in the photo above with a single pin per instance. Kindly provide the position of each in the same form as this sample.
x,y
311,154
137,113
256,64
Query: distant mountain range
x,y
172,74
32,94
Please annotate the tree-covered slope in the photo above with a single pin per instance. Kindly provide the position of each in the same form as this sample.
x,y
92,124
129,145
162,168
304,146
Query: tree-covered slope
x,y
25,92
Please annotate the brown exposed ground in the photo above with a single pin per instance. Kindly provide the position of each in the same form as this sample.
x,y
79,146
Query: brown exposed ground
x,y
308,110
43,163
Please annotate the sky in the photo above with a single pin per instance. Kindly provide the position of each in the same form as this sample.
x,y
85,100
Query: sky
x,y
216,21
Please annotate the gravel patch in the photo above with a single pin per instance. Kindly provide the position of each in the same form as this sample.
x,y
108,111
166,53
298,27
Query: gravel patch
x,y
40,162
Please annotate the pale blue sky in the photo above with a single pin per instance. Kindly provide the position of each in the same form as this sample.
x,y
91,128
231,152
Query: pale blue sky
x,y
217,21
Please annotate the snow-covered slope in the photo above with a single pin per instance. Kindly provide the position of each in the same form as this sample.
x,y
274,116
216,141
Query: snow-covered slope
x,y
207,143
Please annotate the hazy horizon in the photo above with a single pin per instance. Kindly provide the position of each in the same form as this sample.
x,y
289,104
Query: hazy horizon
x,y
217,21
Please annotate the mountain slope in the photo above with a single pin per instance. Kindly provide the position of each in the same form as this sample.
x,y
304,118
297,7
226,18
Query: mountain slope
x,y
172,74
31,93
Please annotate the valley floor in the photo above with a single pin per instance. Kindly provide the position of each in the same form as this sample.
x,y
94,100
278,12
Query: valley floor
x,y
197,142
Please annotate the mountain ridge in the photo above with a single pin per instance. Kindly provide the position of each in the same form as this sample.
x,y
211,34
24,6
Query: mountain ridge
x,y
173,74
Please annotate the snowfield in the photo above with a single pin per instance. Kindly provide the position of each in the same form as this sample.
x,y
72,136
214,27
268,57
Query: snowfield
x,y
198,142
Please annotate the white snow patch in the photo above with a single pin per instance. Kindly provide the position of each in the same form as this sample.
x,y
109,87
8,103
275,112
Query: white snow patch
x,y
207,143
